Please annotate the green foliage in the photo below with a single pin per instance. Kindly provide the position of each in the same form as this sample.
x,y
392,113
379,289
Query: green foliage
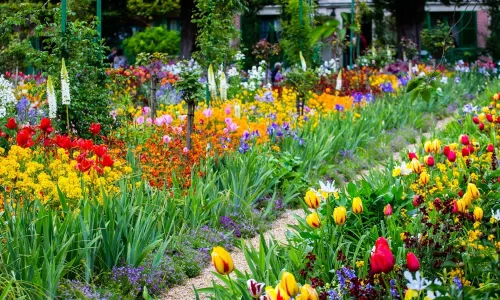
x,y
150,8
216,30
494,27
153,39
296,29
438,40
189,82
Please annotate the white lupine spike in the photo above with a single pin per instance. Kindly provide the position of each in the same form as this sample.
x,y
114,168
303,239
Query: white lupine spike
x,y
51,98
302,62
7,97
212,86
338,87
223,86
66,97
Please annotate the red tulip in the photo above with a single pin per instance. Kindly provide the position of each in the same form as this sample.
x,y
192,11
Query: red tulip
x,y
85,164
455,209
461,193
416,200
464,139
95,128
85,144
388,210
446,150
63,141
11,123
100,150
490,148
429,161
489,117
481,126
382,259
24,139
412,155
452,156
465,151
498,119
46,125
412,262
471,148
107,161
475,120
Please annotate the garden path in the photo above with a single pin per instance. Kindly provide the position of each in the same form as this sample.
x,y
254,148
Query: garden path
x,y
278,231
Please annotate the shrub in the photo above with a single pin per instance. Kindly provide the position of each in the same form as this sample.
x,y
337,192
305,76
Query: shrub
x,y
437,40
153,39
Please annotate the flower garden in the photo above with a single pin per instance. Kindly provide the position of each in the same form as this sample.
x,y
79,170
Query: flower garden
x,y
124,183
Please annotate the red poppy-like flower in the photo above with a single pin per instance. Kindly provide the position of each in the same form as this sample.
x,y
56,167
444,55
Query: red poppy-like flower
x,y
46,125
24,138
100,150
85,164
63,141
446,150
107,161
95,128
412,262
11,123
382,259
475,120
85,144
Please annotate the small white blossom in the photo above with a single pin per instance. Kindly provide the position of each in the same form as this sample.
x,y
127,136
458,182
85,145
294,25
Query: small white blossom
x,y
417,284
51,98
66,98
328,187
7,97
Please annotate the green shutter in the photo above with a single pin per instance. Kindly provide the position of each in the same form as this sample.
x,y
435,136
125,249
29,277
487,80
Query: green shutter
x,y
468,29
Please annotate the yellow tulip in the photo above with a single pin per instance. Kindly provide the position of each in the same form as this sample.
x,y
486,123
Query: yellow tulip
x,y
424,178
478,214
339,215
467,198
416,166
312,199
473,191
289,284
222,261
307,292
436,146
357,205
428,147
276,293
313,220
461,206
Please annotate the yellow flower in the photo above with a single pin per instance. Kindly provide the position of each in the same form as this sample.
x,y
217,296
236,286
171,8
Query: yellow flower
x,y
307,292
473,191
312,199
339,215
428,147
461,206
436,146
222,261
478,213
396,172
360,263
410,294
424,178
357,205
289,284
416,166
467,198
313,220
276,293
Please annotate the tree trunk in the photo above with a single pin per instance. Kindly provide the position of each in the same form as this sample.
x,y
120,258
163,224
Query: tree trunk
x,y
188,29
297,103
409,20
152,104
190,122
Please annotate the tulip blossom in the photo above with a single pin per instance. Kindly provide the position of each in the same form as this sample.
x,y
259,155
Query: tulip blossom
x,y
412,155
168,119
416,166
382,260
490,148
424,178
46,125
289,284
452,156
307,292
277,293
222,261
436,146
465,151
473,191
11,123
313,220
461,206
481,126
140,120
166,139
429,161
478,214
159,121
312,199
489,117
464,139
95,128
412,262
428,147
207,112
475,120
357,205
388,210
254,288
24,138
340,215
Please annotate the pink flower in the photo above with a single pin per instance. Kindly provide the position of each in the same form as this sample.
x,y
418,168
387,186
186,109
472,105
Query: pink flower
x,y
167,119
228,121
226,130
159,121
207,112
227,110
149,121
166,139
232,127
182,117
140,120
177,129
185,150
146,110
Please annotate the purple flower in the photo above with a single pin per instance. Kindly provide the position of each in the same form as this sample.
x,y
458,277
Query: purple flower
x,y
358,97
333,295
458,283
386,87
339,107
369,98
244,147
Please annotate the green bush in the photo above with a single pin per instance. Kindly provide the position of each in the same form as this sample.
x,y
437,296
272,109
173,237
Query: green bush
x,y
153,39
437,40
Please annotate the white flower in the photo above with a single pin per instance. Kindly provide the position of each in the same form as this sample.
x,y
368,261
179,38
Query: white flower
x,y
338,86
223,86
405,171
495,215
239,56
212,86
237,111
417,284
469,108
66,99
328,187
302,62
51,98
444,79
7,97
232,72
434,294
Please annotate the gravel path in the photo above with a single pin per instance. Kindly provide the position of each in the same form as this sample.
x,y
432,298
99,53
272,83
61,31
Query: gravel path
x,y
278,231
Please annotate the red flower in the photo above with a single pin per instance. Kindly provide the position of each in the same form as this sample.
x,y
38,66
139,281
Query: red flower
x,y
382,259
475,120
489,117
452,156
100,150
464,139
412,262
430,161
446,150
388,210
481,126
46,125
490,148
63,141
95,128
24,138
85,144
85,164
412,155
107,161
11,123
465,151
455,209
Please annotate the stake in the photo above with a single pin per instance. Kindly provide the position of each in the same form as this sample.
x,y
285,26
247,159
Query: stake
x,y
154,80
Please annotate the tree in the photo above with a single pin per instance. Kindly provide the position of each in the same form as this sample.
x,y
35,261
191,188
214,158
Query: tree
x,y
188,29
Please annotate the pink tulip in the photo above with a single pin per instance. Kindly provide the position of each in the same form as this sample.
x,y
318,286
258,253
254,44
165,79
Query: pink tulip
x,y
182,117
146,110
232,127
149,121
159,121
185,150
207,112
140,120
168,119
166,139
228,121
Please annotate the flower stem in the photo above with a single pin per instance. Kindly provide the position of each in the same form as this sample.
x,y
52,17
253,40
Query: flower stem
x,y
67,119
